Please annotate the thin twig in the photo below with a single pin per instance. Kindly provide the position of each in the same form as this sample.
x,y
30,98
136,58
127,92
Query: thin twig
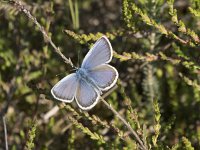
x,y
21,7
126,123
5,132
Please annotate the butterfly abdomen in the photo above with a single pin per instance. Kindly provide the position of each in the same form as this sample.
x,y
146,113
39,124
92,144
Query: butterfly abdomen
x,y
82,74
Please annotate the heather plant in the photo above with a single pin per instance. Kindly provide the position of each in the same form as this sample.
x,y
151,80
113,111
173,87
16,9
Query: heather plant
x,y
156,102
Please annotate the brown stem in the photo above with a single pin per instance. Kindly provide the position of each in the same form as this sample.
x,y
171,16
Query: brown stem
x,y
126,123
21,7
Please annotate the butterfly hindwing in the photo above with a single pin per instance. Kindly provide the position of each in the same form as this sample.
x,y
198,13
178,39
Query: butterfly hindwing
x,y
105,76
86,96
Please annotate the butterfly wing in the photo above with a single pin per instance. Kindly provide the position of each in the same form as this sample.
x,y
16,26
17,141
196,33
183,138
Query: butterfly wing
x,y
65,89
86,96
105,76
100,53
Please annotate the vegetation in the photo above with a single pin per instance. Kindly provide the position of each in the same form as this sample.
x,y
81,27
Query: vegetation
x,y
156,102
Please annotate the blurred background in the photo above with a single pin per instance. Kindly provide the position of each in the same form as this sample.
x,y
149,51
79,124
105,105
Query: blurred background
x,y
156,46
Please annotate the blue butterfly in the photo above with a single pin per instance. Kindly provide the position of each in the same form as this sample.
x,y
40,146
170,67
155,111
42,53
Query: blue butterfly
x,y
89,81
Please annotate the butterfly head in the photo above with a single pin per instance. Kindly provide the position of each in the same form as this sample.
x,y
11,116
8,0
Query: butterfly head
x,y
74,68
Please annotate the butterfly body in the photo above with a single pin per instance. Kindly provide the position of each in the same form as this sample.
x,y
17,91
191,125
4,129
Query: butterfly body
x,y
89,81
82,74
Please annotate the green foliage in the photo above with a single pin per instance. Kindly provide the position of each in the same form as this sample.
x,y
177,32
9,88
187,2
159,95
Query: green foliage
x,y
127,14
185,145
74,13
31,136
157,125
181,26
195,9
85,130
156,102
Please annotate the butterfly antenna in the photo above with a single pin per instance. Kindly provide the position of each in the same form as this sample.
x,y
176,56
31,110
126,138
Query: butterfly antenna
x,y
75,68
60,74
78,59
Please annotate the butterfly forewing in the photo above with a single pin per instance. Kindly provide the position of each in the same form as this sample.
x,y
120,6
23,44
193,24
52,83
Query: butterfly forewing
x,y
105,76
65,89
100,53
86,96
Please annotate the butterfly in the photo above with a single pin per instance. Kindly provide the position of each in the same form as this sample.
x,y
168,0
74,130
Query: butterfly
x,y
89,81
